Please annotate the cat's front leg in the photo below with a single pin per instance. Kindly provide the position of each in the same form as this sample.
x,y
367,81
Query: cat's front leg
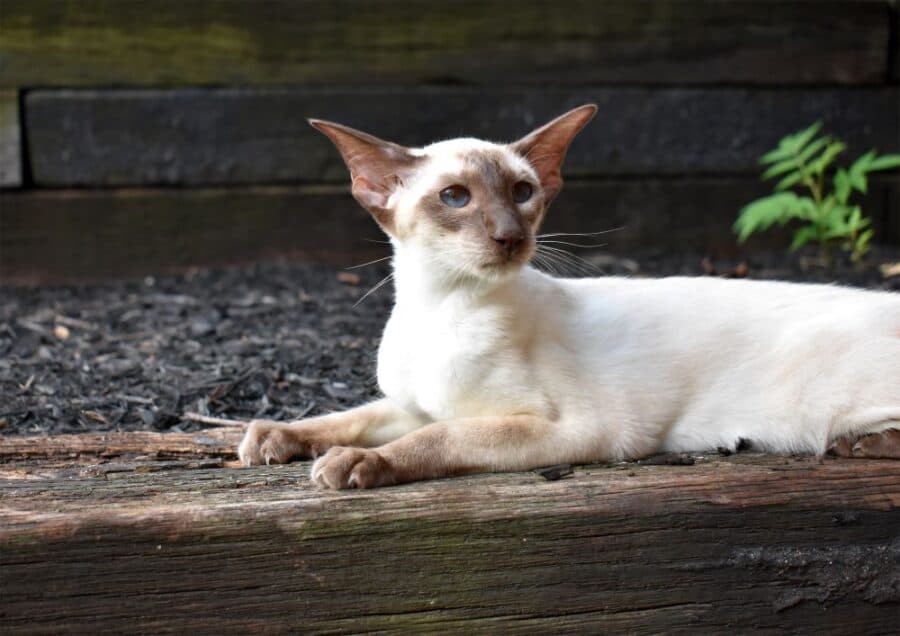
x,y
455,447
268,442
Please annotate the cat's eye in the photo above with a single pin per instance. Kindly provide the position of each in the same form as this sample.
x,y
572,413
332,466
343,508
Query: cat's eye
x,y
522,191
456,196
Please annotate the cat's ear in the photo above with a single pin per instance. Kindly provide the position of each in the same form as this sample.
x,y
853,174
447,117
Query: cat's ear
x,y
545,148
376,166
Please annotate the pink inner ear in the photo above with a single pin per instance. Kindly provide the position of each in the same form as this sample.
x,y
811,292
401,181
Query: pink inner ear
x,y
545,148
376,166
368,194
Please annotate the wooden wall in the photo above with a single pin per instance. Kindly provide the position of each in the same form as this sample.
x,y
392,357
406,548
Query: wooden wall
x,y
137,137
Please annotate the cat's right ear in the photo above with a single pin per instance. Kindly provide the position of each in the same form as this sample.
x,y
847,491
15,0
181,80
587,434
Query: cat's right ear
x,y
376,166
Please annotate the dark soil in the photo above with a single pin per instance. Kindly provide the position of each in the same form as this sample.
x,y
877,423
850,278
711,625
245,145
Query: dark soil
x,y
278,341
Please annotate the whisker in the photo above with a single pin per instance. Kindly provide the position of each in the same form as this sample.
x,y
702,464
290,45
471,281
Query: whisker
x,y
377,260
556,264
374,289
572,260
615,229
573,244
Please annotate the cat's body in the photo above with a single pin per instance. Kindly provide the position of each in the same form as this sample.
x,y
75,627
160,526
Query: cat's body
x,y
488,364
628,367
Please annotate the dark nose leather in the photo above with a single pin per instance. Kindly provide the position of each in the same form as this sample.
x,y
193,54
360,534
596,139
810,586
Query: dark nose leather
x,y
506,230
509,243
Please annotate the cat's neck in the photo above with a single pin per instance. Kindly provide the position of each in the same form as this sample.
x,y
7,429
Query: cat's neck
x,y
420,282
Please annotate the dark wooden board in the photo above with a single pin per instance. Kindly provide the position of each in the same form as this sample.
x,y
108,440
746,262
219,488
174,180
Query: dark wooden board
x,y
230,42
51,236
894,45
10,140
782,545
249,136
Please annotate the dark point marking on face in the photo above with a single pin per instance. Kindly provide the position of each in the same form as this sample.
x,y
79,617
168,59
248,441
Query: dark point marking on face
x,y
490,179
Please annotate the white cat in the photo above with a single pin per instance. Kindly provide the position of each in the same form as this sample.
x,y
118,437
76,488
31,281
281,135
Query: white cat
x,y
490,365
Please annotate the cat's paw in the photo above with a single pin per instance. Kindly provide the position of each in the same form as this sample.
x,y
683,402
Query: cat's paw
x,y
884,445
343,467
267,442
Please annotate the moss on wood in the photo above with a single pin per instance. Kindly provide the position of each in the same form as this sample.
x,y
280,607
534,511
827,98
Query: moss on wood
x,y
225,42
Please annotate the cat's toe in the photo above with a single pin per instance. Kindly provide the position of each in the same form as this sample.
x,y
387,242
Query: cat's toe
x,y
842,447
884,445
343,467
265,443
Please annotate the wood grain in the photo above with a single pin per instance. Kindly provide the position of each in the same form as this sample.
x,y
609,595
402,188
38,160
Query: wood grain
x,y
77,235
10,140
244,136
234,42
219,442
782,545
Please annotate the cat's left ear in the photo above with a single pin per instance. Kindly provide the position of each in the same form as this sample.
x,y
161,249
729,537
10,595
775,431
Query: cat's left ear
x,y
376,166
545,148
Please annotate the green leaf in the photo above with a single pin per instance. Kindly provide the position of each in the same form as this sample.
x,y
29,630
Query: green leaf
x,y
790,145
777,208
833,150
803,236
772,156
884,162
780,168
857,221
788,181
800,139
842,185
858,169
812,149
861,245
835,217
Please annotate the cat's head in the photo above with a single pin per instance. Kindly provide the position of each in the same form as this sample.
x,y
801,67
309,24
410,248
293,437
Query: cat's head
x,y
467,207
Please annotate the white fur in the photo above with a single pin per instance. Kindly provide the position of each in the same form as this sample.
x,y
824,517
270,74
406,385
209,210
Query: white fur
x,y
623,368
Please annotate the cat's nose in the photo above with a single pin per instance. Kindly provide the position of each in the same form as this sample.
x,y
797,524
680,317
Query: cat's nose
x,y
509,240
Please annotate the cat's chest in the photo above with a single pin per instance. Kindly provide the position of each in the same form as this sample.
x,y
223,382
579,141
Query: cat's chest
x,y
448,364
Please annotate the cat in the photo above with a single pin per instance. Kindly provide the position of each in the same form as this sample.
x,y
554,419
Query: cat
x,y
488,364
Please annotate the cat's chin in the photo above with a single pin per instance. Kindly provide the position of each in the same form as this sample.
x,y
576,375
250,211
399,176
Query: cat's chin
x,y
498,271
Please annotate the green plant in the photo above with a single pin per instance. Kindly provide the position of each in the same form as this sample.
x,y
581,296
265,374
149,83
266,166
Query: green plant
x,y
802,160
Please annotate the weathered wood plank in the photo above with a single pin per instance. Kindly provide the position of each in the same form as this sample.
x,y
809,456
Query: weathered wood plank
x,y
10,140
93,234
777,544
247,136
219,442
894,44
69,234
216,42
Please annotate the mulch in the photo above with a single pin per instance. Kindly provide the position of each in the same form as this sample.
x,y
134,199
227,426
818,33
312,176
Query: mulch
x,y
277,340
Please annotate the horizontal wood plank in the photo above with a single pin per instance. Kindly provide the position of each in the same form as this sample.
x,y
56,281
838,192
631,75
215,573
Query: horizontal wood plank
x,y
229,42
218,442
196,137
748,542
71,235
10,140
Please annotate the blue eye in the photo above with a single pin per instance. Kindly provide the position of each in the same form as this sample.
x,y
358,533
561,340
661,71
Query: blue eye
x,y
522,192
455,196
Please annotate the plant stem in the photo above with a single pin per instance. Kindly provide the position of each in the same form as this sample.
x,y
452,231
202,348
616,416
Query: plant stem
x,y
808,180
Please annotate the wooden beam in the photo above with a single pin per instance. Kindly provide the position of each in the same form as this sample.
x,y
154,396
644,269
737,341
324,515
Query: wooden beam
x,y
200,137
10,140
75,235
231,42
777,544
218,442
